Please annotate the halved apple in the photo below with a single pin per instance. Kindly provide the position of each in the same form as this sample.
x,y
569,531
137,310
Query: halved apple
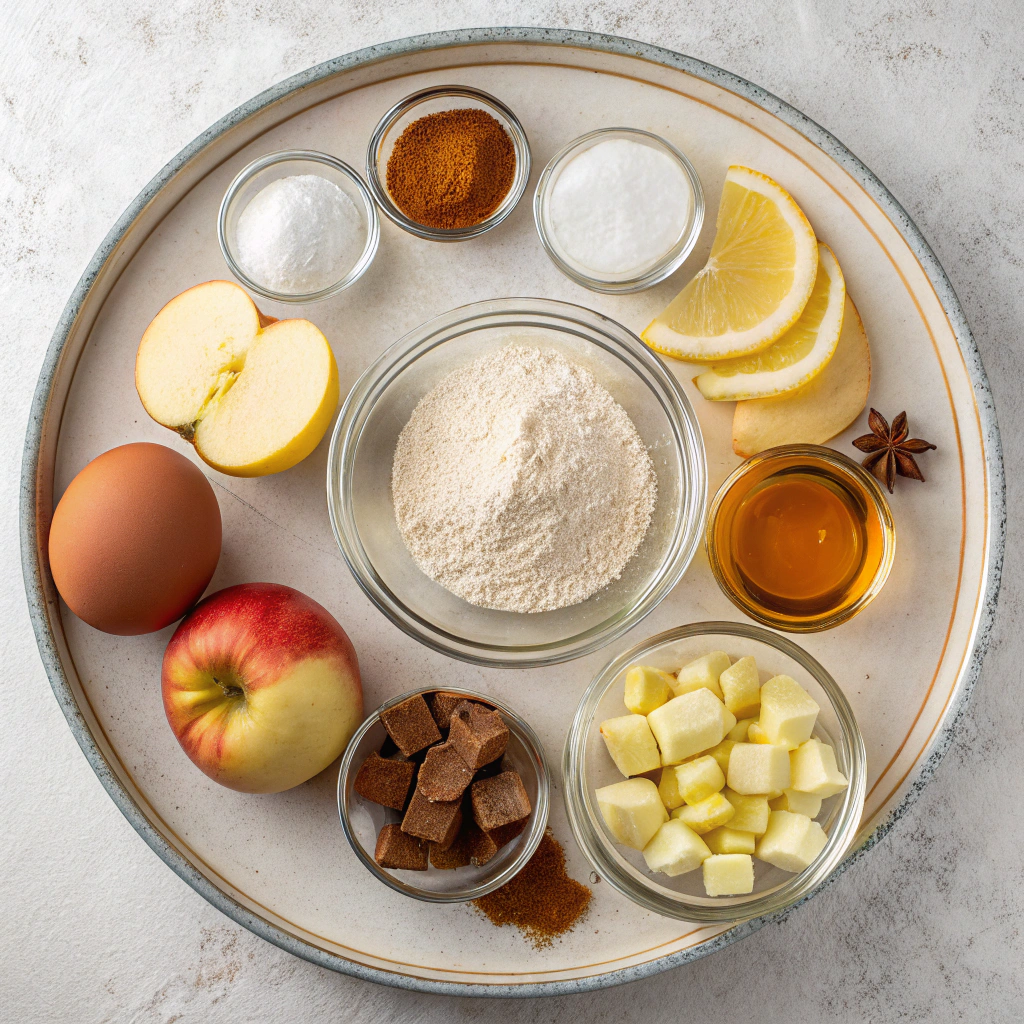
x,y
253,394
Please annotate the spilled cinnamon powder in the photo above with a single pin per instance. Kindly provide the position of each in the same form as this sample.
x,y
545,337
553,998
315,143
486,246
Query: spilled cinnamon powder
x,y
542,901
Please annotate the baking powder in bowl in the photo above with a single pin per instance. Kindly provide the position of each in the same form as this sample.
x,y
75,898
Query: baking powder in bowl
x,y
299,235
520,484
619,206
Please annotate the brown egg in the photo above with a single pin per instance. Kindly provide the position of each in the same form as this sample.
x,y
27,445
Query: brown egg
x,y
135,539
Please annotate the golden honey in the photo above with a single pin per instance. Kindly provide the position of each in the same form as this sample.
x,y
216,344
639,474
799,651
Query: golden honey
x,y
800,538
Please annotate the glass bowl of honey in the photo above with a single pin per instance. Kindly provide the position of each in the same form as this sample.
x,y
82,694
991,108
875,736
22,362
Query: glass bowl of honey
x,y
800,538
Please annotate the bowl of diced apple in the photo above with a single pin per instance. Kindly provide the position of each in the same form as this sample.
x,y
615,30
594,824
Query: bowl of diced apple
x,y
715,773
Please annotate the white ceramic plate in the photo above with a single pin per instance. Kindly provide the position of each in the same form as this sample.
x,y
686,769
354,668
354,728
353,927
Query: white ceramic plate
x,y
280,864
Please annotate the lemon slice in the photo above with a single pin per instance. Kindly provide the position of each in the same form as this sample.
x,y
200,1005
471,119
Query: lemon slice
x,y
798,356
755,283
820,409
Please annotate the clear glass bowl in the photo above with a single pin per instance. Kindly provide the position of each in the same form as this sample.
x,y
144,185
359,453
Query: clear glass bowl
x,y
362,452
862,488
362,819
432,101
633,280
586,767
260,173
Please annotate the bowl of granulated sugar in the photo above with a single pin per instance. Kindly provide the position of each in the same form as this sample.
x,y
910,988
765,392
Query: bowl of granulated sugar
x,y
517,482
298,226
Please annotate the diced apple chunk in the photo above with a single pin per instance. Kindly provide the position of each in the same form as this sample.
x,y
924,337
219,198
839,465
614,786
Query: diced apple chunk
x,y
647,688
798,803
702,673
631,744
758,768
728,720
738,733
726,839
814,770
688,724
728,874
698,779
788,713
668,788
709,813
741,688
721,754
632,810
751,812
791,842
675,849
755,734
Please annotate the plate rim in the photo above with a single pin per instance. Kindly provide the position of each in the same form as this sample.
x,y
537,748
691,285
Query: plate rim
x,y
32,567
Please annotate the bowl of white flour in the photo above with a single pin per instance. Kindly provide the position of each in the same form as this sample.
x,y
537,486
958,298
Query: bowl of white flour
x,y
517,482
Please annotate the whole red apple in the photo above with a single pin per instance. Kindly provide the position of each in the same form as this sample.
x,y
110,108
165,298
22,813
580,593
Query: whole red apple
x,y
261,687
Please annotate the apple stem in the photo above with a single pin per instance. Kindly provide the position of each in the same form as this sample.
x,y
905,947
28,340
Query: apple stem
x,y
229,690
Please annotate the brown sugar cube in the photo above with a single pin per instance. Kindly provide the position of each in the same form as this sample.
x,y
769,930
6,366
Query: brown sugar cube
x,y
437,822
385,782
442,704
480,845
411,725
499,801
452,834
444,775
396,849
456,856
479,734
504,834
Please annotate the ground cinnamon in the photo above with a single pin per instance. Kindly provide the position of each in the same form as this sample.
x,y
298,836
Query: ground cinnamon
x,y
451,169
542,901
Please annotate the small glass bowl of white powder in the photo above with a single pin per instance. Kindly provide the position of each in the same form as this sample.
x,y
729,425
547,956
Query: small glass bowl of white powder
x,y
298,226
619,209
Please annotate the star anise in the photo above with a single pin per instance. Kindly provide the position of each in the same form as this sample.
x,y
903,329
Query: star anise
x,y
891,452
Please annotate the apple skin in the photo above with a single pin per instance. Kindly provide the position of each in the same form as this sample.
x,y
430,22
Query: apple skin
x,y
261,687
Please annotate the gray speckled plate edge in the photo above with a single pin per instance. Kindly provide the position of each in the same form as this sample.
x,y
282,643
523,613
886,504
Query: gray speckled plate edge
x,y
32,489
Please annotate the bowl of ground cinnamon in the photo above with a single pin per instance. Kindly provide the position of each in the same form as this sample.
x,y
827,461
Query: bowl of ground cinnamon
x,y
448,163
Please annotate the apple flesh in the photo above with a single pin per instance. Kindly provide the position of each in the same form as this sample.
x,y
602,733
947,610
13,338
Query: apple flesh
x,y
253,394
261,687
822,408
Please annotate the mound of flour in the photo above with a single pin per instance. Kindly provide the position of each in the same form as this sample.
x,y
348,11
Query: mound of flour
x,y
520,484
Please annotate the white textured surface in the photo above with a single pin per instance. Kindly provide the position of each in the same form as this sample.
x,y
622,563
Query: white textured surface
x,y
96,97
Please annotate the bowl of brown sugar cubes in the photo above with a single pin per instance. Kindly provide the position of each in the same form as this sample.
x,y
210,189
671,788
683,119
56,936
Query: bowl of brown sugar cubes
x,y
443,794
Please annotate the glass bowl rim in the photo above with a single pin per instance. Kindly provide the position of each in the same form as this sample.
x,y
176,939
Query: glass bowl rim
x,y
379,375
247,173
520,144
841,462
590,836
523,732
658,271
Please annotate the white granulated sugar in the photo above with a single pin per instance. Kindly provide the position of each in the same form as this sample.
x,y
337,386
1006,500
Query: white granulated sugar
x,y
300,234
620,206
520,484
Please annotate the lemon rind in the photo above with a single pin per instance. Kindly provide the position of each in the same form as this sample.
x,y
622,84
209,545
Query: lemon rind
x,y
744,386
750,432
